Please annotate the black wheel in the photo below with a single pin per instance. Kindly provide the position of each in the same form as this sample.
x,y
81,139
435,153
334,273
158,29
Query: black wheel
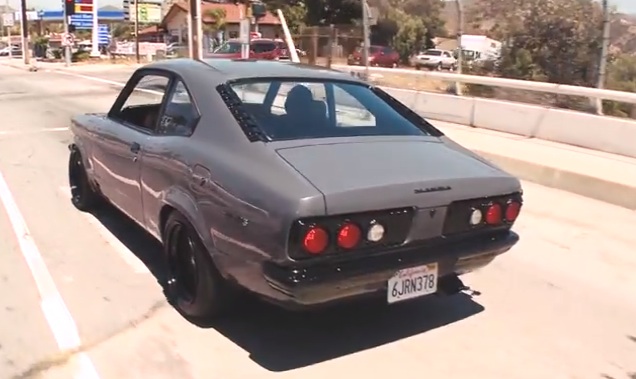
x,y
195,287
418,67
83,195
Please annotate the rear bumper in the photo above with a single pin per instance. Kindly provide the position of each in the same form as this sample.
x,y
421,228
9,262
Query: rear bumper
x,y
301,286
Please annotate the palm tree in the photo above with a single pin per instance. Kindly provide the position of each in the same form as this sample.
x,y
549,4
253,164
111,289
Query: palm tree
x,y
217,20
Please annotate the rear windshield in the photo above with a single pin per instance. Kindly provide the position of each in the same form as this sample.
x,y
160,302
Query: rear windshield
x,y
372,49
231,47
433,52
286,110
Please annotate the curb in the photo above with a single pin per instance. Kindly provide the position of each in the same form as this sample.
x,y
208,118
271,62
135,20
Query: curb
x,y
584,185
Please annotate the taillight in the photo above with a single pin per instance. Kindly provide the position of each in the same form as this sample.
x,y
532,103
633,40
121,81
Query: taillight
x,y
493,214
512,211
349,236
316,240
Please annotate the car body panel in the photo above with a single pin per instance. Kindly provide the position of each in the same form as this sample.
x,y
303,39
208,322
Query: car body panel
x,y
242,197
435,58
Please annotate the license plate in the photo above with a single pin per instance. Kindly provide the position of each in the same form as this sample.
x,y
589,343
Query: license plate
x,y
412,282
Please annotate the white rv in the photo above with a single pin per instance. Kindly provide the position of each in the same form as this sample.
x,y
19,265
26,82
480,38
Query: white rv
x,y
480,48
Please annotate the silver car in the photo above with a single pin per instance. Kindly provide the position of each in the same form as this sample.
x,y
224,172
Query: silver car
x,y
301,185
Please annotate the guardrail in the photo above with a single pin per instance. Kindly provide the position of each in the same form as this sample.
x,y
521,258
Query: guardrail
x,y
602,133
559,89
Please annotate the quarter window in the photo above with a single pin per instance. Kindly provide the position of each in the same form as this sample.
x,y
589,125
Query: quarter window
x,y
180,115
143,104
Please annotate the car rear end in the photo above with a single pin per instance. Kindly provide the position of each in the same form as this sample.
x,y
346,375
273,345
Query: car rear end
x,y
405,212
355,58
391,233
429,59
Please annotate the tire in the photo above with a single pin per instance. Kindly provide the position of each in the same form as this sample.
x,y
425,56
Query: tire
x,y
438,67
194,287
83,194
418,67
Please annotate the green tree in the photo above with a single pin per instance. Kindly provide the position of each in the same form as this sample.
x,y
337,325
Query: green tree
x,y
215,20
554,40
295,12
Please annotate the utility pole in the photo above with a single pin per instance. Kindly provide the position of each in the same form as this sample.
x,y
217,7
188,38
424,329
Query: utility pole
x,y
95,38
136,26
366,14
67,47
25,32
6,9
195,29
244,29
602,66
460,55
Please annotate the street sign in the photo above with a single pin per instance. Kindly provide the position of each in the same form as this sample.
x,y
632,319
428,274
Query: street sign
x,y
103,34
82,21
68,40
7,19
84,6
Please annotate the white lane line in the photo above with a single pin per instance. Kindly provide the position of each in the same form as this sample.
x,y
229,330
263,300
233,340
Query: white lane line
x,y
55,310
124,252
93,78
45,130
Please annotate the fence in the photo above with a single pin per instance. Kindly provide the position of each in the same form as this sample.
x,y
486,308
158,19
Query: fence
x,y
325,45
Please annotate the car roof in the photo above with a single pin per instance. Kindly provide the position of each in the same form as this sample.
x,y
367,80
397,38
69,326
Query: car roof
x,y
221,70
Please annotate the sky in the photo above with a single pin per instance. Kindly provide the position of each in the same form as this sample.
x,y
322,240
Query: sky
x,y
627,6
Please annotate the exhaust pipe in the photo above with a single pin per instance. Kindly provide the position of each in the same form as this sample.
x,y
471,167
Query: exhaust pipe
x,y
452,285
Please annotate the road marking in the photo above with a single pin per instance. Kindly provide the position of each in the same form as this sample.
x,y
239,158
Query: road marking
x,y
93,78
124,252
45,130
55,310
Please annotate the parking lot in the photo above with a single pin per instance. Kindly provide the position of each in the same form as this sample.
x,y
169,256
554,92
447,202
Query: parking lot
x,y
82,295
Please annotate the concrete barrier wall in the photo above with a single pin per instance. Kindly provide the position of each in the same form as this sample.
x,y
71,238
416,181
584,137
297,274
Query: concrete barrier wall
x,y
609,134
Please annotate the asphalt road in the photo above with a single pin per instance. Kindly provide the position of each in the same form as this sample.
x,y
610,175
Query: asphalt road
x,y
562,304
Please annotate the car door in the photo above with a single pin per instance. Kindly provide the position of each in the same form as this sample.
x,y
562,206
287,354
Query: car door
x,y
131,121
163,163
449,61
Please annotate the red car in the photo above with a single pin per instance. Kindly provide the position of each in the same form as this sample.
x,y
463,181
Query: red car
x,y
381,56
260,48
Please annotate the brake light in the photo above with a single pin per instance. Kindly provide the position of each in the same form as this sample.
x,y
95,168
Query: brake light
x,y
316,240
512,211
349,236
493,214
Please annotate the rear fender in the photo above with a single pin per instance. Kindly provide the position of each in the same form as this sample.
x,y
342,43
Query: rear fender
x,y
183,203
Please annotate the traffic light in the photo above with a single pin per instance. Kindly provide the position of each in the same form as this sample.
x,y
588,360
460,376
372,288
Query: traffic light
x,y
69,7
258,9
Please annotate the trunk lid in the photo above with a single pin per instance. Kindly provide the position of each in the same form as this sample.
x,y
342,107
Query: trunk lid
x,y
371,175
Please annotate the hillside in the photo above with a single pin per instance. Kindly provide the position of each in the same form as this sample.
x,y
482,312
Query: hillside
x,y
622,31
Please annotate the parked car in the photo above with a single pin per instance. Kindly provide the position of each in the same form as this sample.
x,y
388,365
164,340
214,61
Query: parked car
x,y
303,186
261,48
379,56
435,59
13,50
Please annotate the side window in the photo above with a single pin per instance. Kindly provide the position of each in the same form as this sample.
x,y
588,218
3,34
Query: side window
x,y
143,104
388,51
349,111
447,55
180,115
263,47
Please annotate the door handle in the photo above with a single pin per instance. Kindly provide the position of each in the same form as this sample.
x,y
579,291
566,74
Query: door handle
x,y
135,147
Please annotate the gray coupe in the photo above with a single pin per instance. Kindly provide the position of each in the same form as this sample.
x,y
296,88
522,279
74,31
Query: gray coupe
x,y
302,185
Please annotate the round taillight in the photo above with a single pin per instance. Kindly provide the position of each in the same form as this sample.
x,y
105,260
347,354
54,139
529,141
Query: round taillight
x,y
512,211
475,217
316,240
493,214
375,232
349,236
